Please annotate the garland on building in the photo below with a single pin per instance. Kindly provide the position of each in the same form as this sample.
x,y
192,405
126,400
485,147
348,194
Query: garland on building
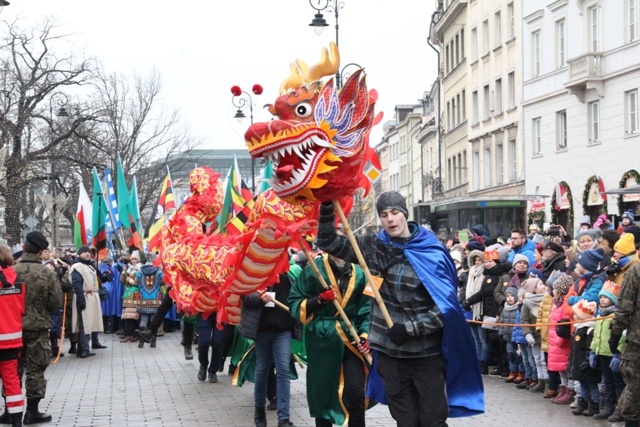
x,y
623,183
537,217
585,196
554,212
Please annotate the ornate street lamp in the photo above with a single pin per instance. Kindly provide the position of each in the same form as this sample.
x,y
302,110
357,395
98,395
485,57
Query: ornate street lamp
x,y
318,23
240,100
61,100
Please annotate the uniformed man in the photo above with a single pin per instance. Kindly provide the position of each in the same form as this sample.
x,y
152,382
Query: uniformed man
x,y
42,297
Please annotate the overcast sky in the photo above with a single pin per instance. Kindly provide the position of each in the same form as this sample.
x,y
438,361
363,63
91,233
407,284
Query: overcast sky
x,y
202,48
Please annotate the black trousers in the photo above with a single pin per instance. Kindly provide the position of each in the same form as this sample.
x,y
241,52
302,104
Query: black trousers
x,y
164,308
416,390
353,393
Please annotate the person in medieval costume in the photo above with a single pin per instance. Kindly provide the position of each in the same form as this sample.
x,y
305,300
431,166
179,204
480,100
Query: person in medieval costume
x,y
151,291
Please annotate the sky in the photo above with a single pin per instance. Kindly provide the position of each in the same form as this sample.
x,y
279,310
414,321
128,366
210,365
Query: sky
x,y
203,48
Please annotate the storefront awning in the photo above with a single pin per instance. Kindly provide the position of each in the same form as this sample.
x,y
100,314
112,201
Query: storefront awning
x,y
628,190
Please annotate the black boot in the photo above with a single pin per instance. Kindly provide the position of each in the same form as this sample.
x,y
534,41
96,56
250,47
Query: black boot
x,y
33,415
74,348
582,407
260,417
188,354
484,368
153,341
6,417
16,420
593,409
146,335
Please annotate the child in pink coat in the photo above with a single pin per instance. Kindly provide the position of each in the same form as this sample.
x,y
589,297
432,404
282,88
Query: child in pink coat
x,y
559,347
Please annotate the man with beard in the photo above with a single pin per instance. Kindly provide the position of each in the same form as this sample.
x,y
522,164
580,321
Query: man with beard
x,y
520,244
553,259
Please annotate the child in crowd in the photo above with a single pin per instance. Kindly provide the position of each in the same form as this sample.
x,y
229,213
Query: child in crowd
x,y
535,290
560,347
579,367
601,355
509,316
519,337
542,321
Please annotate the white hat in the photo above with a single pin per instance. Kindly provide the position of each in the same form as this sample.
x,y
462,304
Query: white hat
x,y
455,254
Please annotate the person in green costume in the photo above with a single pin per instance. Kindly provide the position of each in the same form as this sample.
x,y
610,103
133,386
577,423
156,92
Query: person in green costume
x,y
337,372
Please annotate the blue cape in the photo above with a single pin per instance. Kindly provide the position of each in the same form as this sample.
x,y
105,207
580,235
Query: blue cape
x,y
433,264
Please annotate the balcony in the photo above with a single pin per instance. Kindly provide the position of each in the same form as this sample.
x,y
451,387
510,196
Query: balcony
x,y
585,73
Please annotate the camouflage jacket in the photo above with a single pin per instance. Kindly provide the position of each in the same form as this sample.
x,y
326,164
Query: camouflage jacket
x,y
43,293
627,314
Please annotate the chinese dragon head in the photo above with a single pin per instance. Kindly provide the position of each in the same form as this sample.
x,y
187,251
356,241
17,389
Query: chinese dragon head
x,y
318,142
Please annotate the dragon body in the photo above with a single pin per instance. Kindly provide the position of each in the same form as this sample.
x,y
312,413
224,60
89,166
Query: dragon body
x,y
318,144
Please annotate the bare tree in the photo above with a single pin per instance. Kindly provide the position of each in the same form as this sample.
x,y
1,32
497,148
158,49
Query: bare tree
x,y
33,71
362,215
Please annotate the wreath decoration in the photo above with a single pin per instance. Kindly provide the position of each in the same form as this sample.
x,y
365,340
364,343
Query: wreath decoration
x,y
554,211
623,182
585,195
538,217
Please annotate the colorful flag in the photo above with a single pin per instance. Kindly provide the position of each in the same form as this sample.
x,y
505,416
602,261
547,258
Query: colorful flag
x,y
133,203
264,182
158,217
84,217
112,202
123,196
601,189
558,196
234,200
98,226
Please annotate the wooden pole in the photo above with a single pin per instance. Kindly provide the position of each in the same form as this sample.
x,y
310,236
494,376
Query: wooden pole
x,y
277,303
336,304
363,264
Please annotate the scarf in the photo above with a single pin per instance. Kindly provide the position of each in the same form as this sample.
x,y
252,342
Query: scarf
x,y
533,302
510,307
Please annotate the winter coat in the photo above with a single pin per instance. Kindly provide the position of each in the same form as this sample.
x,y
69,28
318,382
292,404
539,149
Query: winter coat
x,y
527,250
544,313
579,369
474,282
84,279
485,294
586,288
601,335
529,314
628,313
516,335
557,263
507,280
559,348
618,278
509,315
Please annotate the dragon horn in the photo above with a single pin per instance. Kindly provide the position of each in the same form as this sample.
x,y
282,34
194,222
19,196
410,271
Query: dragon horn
x,y
296,78
327,66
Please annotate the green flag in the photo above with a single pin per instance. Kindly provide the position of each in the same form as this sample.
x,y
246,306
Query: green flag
x,y
133,203
124,199
98,220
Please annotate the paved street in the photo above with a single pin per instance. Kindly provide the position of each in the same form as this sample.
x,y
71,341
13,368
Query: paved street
x,y
127,386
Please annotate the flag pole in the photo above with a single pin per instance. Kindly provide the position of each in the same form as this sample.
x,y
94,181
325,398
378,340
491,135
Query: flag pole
x,y
363,264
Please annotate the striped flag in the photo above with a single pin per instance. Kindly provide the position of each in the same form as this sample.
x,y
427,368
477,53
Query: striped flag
x,y
112,202
158,217
601,189
234,196
98,223
84,217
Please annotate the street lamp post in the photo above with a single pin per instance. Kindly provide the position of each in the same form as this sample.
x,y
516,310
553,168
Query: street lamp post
x,y
61,100
318,23
240,100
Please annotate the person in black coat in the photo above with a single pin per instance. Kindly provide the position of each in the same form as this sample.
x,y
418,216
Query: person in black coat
x,y
553,259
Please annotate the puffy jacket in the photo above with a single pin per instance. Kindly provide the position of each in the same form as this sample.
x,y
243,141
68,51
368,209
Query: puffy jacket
x,y
517,336
559,348
509,317
527,250
586,288
544,313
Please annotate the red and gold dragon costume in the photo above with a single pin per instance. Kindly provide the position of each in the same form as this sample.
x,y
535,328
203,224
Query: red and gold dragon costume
x,y
318,145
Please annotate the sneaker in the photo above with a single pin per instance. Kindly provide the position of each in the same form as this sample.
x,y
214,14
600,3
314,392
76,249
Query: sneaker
x,y
213,378
202,373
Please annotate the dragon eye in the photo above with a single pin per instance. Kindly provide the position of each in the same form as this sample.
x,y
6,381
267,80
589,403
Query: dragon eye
x,y
304,110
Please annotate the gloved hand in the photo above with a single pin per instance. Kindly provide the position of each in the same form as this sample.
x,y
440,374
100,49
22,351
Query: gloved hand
x,y
82,305
530,340
593,361
326,296
615,363
363,346
398,334
614,341
466,306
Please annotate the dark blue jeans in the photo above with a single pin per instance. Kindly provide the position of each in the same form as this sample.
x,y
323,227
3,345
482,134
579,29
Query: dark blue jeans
x,y
273,347
209,336
613,382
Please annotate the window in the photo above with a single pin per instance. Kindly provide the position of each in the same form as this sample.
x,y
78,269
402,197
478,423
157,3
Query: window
x,y
463,106
536,60
536,137
458,118
450,174
487,167
459,168
631,107
497,28
561,130
497,106
455,115
457,57
474,44
594,121
561,45
446,59
513,165
632,20
462,44
499,164
449,122
464,166
454,172
476,169
474,106
485,34
487,102
594,29
511,81
511,21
